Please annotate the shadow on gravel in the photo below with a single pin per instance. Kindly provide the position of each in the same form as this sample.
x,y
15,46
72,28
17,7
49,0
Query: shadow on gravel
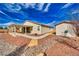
x,y
18,51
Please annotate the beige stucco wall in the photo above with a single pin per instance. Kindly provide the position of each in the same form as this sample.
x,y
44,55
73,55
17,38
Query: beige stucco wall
x,y
12,29
34,29
42,30
61,28
20,29
46,29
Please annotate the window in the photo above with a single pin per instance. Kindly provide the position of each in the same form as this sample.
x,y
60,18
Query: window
x,y
66,31
38,28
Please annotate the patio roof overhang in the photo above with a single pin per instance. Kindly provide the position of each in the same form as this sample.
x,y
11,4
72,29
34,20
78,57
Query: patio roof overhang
x,y
19,25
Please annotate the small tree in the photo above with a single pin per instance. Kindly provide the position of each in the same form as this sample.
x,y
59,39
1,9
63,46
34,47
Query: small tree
x,y
5,28
1,27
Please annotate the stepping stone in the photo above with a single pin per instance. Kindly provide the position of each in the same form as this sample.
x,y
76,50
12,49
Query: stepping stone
x,y
40,54
33,42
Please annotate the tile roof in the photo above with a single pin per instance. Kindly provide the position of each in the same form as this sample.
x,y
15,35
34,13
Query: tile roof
x,y
38,23
70,22
17,25
31,22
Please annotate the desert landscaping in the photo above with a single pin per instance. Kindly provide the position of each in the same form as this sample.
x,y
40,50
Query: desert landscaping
x,y
39,29
51,43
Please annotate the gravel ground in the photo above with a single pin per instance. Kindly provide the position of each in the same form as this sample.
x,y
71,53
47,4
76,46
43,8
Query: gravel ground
x,y
12,46
33,51
58,43
6,48
66,46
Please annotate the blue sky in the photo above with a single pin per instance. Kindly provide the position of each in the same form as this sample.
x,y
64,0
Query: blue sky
x,y
45,13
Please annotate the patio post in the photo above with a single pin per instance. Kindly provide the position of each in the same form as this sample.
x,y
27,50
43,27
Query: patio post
x,y
14,30
25,30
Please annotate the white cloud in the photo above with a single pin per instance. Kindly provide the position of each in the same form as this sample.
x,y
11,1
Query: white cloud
x,y
67,5
9,23
47,7
76,11
17,19
2,12
40,6
32,5
27,5
5,14
13,7
17,7
51,23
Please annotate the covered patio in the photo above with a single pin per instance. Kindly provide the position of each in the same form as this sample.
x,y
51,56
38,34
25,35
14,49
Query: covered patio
x,y
20,28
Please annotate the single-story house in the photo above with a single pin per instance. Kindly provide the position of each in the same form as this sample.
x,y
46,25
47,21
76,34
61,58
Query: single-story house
x,y
30,27
68,28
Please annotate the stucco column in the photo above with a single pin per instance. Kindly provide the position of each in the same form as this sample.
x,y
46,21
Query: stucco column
x,y
14,29
25,30
20,29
